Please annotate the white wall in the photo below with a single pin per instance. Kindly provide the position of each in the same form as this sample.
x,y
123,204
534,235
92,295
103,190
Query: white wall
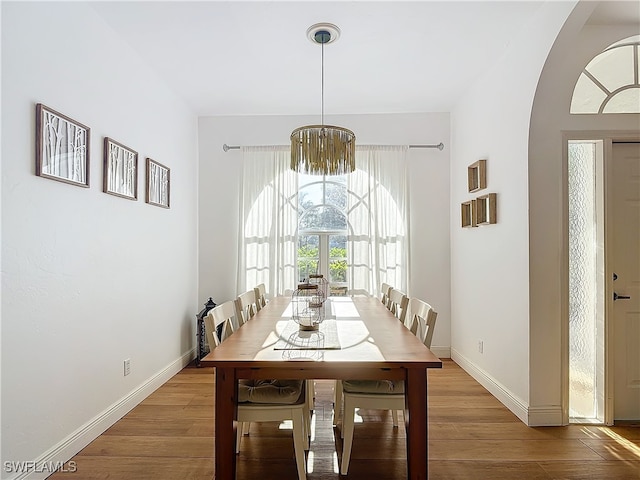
x,y
489,264
429,189
88,279
576,45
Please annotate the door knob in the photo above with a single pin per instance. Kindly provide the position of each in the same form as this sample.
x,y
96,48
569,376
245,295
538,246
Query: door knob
x,y
620,297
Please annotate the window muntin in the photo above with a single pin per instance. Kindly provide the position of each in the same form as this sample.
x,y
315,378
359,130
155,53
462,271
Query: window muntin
x,y
610,83
590,96
613,68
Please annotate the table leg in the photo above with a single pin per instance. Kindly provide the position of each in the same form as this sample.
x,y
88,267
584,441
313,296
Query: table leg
x,y
415,396
225,427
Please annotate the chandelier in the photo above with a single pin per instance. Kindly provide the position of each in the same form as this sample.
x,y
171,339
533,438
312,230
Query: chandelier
x,y
323,149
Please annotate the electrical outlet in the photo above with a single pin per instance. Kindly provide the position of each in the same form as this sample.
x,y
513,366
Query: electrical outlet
x,y
480,346
127,367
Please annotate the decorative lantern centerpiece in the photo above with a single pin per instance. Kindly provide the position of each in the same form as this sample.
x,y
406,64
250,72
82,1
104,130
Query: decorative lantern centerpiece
x,y
307,306
319,280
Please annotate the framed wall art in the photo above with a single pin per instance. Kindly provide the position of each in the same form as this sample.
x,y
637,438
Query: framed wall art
x,y
120,172
62,147
158,184
477,175
486,209
468,213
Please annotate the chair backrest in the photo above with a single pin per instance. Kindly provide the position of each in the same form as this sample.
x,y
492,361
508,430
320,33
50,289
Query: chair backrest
x,y
398,303
246,306
261,296
423,320
218,323
384,290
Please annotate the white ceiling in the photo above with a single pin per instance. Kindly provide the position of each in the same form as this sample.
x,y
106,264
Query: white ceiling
x,y
254,58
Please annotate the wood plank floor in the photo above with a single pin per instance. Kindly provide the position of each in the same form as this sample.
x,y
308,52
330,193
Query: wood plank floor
x,y
472,436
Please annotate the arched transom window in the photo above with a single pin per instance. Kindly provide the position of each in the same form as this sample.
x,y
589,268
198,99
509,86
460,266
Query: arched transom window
x,y
610,82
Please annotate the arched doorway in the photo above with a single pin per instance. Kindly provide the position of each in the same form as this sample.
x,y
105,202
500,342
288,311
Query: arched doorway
x,y
589,30
603,203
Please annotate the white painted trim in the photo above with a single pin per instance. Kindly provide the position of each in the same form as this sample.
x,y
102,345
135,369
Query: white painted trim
x,y
609,324
545,416
608,137
564,284
91,430
513,403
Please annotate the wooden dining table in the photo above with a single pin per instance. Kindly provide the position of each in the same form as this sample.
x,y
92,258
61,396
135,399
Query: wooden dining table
x,y
373,344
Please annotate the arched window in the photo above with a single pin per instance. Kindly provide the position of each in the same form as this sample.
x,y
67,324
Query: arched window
x,y
353,229
323,229
610,82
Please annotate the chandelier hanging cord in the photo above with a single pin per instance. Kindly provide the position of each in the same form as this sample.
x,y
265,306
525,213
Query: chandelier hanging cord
x,y
323,39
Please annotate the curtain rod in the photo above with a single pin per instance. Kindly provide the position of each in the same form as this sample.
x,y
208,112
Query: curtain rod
x,y
439,146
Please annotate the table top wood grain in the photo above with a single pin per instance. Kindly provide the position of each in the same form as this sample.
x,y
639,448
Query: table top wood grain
x,y
370,337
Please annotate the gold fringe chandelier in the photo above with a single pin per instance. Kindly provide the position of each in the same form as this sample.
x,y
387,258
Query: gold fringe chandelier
x,y
323,149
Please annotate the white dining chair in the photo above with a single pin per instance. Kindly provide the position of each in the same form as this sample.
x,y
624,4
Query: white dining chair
x,y
276,401
264,400
338,384
381,394
245,310
261,296
246,306
422,320
398,303
218,324
384,291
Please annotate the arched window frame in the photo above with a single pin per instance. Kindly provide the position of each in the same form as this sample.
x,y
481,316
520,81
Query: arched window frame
x,y
377,248
591,82
326,234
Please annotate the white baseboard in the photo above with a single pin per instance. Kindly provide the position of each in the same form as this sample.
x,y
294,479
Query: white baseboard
x,y
43,466
545,416
513,403
538,416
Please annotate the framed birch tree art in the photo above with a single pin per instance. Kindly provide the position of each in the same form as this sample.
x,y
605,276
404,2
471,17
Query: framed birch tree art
x,y
120,170
158,183
62,147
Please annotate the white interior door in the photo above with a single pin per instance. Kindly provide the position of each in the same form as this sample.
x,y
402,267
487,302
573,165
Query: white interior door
x,y
625,257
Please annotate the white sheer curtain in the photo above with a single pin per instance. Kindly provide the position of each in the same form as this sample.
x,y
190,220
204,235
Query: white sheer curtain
x,y
269,220
378,215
